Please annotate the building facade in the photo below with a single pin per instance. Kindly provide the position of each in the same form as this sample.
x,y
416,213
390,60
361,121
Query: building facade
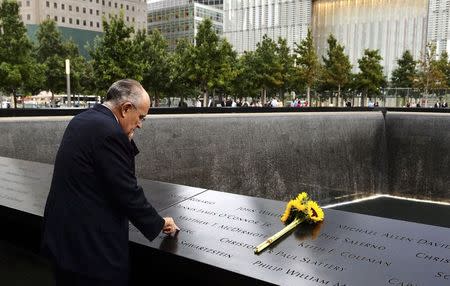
x,y
392,27
179,19
216,3
438,24
247,21
81,20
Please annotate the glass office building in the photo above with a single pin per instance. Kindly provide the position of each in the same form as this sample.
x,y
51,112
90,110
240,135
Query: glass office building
x,y
247,21
389,26
438,24
179,19
216,3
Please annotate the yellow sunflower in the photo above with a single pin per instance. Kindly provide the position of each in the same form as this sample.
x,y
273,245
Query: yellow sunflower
x,y
315,213
297,205
297,211
287,212
302,196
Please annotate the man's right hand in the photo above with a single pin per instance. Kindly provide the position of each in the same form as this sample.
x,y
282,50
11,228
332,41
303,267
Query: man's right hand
x,y
169,226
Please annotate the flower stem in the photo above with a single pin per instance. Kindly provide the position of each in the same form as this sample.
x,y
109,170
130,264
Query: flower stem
x,y
277,235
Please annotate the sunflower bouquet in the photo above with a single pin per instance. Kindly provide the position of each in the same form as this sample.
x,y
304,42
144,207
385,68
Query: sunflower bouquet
x,y
301,209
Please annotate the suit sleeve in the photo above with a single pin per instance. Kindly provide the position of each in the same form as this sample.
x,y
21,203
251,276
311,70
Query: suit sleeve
x,y
113,162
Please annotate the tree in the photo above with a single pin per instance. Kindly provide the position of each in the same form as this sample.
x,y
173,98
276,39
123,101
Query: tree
x,y
52,51
181,82
403,76
206,52
308,66
114,54
227,67
429,75
267,66
246,81
444,66
337,67
370,78
286,60
18,69
153,50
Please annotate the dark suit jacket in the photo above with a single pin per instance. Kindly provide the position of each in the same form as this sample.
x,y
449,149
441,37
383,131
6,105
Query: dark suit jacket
x,y
93,194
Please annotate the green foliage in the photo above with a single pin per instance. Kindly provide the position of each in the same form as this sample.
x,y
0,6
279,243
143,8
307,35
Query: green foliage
x,y
34,77
205,67
50,41
403,76
14,44
370,78
268,66
52,51
153,50
287,72
181,83
114,54
227,67
308,66
18,69
444,66
337,67
430,74
246,82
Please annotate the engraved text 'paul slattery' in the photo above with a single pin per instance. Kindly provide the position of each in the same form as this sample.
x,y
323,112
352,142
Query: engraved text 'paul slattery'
x,y
308,260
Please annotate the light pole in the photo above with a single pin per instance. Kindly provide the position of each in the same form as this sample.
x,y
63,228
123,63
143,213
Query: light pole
x,y
68,82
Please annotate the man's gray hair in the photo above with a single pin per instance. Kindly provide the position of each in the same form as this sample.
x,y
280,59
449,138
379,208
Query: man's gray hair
x,y
124,90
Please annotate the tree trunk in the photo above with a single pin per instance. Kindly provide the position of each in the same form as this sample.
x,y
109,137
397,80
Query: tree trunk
x,y
363,98
315,96
282,92
205,97
156,99
407,95
338,102
52,102
264,98
308,95
15,99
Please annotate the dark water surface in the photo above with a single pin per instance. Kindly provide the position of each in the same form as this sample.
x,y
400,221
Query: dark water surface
x,y
402,209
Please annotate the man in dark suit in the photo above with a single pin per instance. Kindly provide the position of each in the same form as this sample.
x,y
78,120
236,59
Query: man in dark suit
x,y
94,192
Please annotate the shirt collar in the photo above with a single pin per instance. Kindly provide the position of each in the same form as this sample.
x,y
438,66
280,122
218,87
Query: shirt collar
x,y
111,111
